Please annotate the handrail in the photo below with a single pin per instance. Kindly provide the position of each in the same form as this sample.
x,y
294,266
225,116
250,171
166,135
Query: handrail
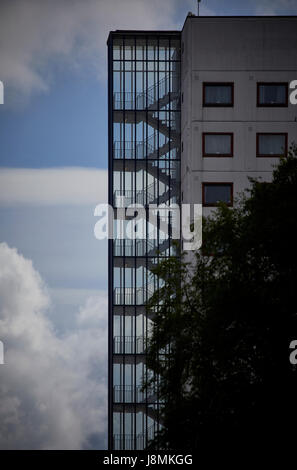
x,y
133,441
136,247
129,344
132,393
132,196
145,98
132,295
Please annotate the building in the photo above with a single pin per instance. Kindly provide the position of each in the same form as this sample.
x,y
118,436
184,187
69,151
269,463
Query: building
x,y
192,115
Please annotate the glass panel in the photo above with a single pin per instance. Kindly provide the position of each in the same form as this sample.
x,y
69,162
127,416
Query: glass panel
x,y
129,49
129,427
175,49
152,49
218,94
140,49
141,66
118,135
117,65
163,49
272,144
175,85
217,144
118,49
214,193
118,86
146,146
272,94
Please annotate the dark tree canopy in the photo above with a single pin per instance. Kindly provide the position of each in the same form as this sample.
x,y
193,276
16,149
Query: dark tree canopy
x,y
221,336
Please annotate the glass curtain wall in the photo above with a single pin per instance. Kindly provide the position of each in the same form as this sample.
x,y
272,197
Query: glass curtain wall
x,y
144,169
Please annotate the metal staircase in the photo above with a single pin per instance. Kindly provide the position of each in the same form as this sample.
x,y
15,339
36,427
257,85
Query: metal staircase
x,y
145,149
159,95
135,441
139,247
145,171
129,344
132,295
132,394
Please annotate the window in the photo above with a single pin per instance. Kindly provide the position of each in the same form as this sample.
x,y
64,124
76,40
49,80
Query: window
x,y
218,94
213,193
216,144
272,145
272,94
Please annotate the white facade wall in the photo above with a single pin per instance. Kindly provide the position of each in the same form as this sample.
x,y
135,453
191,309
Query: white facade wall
x,y
244,51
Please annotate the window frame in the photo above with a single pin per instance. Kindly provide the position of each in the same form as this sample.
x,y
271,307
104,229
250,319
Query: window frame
x,y
261,155
213,183
218,155
217,105
270,105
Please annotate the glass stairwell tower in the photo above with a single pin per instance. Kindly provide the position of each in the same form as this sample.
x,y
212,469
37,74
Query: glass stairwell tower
x,y
144,168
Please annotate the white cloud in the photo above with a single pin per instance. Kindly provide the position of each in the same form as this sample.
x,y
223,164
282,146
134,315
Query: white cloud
x,y
33,32
275,7
64,307
53,186
52,389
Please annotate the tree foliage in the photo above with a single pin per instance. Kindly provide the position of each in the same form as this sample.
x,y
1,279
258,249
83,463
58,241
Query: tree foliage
x,y
219,347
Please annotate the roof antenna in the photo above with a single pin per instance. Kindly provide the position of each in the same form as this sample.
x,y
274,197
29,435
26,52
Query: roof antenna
x,y
198,3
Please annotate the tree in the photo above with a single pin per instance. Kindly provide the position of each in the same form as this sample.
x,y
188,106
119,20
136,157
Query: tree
x,y
219,347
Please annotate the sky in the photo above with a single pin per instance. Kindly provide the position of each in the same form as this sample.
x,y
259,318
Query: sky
x,y
53,173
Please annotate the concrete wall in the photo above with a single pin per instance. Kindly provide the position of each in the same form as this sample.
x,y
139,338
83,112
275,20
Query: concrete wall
x,y
244,51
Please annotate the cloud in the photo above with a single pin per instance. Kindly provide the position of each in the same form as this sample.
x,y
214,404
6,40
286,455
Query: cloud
x,y
53,186
33,32
275,7
64,306
52,389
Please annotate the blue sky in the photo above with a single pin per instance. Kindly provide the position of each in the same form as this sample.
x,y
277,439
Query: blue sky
x,y
66,126
53,159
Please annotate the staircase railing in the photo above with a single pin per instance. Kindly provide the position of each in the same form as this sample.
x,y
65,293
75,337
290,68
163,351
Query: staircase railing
x,y
129,344
136,247
133,441
142,149
147,98
126,197
132,295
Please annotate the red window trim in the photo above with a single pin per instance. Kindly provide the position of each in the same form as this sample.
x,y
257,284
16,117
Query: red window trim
x,y
214,105
212,183
219,155
260,155
269,105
